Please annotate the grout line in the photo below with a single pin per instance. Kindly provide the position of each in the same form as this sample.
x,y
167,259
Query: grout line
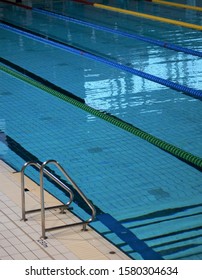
x,y
21,228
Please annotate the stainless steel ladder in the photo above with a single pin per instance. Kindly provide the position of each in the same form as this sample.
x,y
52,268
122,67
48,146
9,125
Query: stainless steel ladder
x,y
42,171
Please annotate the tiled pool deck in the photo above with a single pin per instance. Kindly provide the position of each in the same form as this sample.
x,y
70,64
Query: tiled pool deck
x,y
21,240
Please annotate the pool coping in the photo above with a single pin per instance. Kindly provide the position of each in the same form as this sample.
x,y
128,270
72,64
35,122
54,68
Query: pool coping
x,y
21,240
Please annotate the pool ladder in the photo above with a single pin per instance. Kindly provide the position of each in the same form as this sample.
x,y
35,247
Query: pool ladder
x,y
42,171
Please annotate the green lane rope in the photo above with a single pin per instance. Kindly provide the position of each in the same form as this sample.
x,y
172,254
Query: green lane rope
x,y
189,158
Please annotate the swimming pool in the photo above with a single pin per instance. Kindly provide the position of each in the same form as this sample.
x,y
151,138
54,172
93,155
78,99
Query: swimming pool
x,y
151,192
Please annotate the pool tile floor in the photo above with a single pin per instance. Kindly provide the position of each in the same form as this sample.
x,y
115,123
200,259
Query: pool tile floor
x,y
21,240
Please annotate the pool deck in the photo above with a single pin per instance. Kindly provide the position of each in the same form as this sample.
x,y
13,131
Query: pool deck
x,y
20,240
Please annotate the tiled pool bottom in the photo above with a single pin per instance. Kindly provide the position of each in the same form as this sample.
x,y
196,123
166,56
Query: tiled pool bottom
x,y
122,174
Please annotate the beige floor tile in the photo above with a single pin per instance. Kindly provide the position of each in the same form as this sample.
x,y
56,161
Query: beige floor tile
x,y
11,250
70,256
18,257
5,243
7,234
9,225
14,241
29,256
3,253
21,240
7,258
41,254
21,248
59,257
52,251
32,245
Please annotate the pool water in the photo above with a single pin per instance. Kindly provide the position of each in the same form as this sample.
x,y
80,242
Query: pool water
x,y
152,193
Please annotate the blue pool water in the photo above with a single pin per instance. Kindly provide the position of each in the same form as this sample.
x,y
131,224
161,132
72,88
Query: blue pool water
x,y
152,193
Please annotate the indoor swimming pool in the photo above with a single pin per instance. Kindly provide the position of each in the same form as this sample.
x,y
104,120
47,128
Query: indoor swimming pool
x,y
116,99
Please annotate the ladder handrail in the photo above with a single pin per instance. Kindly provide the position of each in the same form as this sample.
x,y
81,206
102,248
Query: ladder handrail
x,y
43,171
33,163
90,205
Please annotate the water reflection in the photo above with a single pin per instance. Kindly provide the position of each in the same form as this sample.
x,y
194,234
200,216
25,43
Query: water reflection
x,y
127,96
120,94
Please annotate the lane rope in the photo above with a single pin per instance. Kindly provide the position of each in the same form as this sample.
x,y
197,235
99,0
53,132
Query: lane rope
x,y
178,5
151,17
129,12
16,4
43,38
142,15
179,153
135,36
121,33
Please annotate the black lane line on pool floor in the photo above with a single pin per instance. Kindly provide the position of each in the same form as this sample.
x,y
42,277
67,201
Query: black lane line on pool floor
x,y
138,37
107,115
40,79
27,156
115,226
194,93
129,238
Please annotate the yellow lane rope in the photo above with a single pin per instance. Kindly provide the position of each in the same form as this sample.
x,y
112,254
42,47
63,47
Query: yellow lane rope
x,y
147,16
178,5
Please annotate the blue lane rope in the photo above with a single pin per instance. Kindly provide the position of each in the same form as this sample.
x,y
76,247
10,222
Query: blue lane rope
x,y
125,34
186,90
